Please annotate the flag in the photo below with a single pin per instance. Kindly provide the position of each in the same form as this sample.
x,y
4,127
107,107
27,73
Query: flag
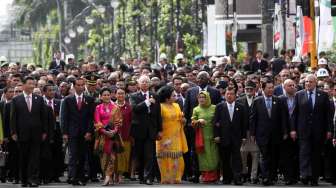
x,y
278,28
299,32
326,33
234,33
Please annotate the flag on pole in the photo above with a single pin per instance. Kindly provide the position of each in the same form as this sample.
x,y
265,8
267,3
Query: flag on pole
x,y
299,32
278,28
234,32
326,32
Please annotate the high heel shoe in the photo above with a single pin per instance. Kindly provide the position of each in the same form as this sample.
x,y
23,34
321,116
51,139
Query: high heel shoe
x,y
106,181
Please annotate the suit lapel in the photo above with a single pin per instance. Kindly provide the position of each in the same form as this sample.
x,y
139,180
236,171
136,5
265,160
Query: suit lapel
x,y
264,106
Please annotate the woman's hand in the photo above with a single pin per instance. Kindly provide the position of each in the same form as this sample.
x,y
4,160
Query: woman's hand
x,y
109,134
201,122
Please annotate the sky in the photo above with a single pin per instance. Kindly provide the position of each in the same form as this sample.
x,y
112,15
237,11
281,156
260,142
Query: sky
x,y
4,13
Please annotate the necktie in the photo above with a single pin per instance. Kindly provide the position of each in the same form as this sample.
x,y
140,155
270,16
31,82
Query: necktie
x,y
50,104
231,111
79,103
28,102
310,101
269,105
145,95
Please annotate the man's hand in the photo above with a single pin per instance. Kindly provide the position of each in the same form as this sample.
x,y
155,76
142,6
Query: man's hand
x,y
151,100
334,142
329,135
293,135
44,136
252,139
285,136
14,137
87,136
65,138
244,141
159,136
217,140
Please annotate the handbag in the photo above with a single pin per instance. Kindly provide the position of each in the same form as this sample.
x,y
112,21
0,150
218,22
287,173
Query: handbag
x,y
199,140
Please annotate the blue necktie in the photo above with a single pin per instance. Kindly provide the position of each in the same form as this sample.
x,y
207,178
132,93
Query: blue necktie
x,y
310,101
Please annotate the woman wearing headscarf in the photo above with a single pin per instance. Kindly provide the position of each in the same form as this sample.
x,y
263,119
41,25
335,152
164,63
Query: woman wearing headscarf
x,y
172,145
108,121
206,148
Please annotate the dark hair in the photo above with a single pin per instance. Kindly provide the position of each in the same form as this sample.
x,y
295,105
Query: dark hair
x,y
267,81
44,89
177,78
164,93
104,89
231,89
78,79
25,79
5,90
233,81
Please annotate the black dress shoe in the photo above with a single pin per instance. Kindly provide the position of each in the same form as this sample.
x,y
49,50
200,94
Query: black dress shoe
x,y
56,180
33,185
94,180
149,182
304,180
74,182
226,182
254,181
16,181
314,183
238,182
82,183
24,185
266,182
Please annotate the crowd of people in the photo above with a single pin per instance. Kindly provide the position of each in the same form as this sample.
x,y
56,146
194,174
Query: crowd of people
x,y
214,120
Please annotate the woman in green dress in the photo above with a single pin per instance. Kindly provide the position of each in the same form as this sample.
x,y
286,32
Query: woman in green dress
x,y
208,158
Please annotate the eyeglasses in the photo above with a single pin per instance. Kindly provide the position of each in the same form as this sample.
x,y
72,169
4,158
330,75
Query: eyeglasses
x,y
18,91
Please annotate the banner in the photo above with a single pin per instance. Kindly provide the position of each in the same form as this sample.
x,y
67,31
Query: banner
x,y
326,32
278,29
299,32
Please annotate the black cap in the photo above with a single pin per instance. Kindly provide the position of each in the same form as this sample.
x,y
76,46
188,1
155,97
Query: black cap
x,y
91,78
250,84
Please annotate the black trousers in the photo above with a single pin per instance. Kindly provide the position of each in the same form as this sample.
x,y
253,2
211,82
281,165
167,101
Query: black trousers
x,y
289,161
190,158
310,157
269,160
46,160
145,154
231,162
77,152
13,161
29,161
57,155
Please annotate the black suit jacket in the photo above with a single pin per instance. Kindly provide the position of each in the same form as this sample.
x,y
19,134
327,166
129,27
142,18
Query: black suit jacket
x,y
230,132
262,66
191,100
28,125
53,65
76,123
145,124
263,127
247,110
312,124
290,121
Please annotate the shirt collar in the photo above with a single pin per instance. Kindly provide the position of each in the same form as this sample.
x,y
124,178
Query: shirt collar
x,y
314,91
25,94
228,104
205,89
81,95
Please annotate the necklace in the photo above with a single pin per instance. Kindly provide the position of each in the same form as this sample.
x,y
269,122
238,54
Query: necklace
x,y
120,105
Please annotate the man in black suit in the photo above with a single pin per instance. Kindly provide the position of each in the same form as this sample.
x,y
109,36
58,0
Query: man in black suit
x,y
77,120
58,63
249,147
259,65
313,122
56,138
146,128
229,123
177,82
267,128
28,128
289,147
191,164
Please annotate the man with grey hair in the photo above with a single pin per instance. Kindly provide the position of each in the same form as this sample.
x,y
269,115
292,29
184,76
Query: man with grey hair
x,y
146,128
313,121
289,146
191,169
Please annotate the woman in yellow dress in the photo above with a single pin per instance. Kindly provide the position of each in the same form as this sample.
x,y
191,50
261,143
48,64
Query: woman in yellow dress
x,y
172,144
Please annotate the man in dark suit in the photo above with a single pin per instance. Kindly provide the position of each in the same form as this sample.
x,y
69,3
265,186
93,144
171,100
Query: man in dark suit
x,y
259,65
229,123
146,128
57,63
77,120
191,164
249,147
313,122
279,89
289,147
56,138
268,129
177,82
28,128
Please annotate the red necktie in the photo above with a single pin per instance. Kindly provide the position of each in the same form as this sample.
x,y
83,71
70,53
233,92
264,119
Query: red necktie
x,y
79,103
